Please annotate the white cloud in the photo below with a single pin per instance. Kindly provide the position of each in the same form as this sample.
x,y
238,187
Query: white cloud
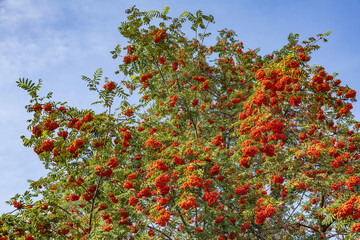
x,y
28,43
27,55
15,12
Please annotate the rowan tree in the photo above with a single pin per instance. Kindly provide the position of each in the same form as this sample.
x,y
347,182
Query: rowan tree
x,y
223,144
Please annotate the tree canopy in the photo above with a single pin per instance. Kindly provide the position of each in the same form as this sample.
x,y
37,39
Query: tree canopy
x,y
223,144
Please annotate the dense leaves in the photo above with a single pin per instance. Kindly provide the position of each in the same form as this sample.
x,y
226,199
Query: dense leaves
x,y
223,144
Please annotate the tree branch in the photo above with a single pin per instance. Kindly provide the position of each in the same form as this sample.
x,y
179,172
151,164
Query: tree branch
x,y
93,202
167,236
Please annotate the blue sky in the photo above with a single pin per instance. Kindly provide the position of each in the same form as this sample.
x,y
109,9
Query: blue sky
x,y
59,41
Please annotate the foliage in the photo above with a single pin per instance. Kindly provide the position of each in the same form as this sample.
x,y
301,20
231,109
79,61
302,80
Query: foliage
x,y
223,144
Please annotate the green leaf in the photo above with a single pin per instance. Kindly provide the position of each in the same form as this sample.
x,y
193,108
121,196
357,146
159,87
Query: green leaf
x,y
166,10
